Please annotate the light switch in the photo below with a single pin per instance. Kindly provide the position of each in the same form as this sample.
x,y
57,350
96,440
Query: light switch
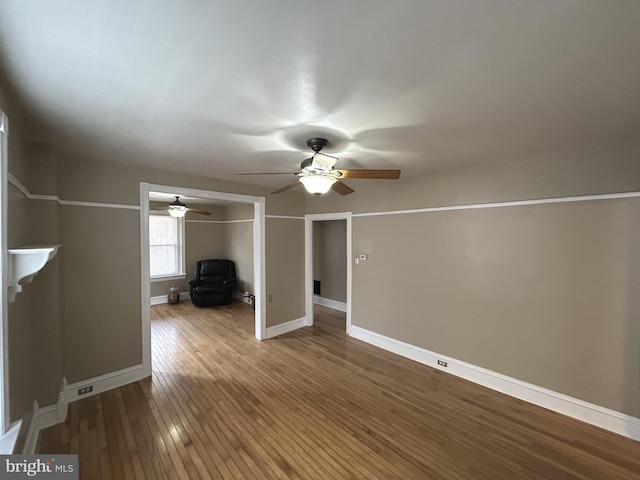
x,y
363,257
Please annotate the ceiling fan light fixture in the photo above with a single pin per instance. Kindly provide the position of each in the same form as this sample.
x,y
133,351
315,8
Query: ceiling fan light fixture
x,y
317,184
323,162
177,211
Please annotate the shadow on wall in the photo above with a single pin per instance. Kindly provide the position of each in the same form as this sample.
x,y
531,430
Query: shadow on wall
x,y
330,258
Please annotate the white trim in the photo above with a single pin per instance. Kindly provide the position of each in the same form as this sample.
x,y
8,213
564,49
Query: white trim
x,y
517,203
327,302
286,327
220,221
238,295
160,299
47,417
602,417
259,270
55,198
145,281
42,418
308,271
285,217
210,194
100,384
308,262
8,440
4,278
182,247
31,439
57,413
98,204
164,278
472,206
349,248
16,183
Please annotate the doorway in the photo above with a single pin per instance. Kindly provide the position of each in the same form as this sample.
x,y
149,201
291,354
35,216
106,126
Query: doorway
x,y
259,275
310,220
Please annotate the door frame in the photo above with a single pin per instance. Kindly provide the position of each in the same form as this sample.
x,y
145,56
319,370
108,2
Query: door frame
x,y
308,261
5,418
259,270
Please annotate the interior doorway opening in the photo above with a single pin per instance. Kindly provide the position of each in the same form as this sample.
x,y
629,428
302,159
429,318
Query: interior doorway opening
x,y
323,251
259,275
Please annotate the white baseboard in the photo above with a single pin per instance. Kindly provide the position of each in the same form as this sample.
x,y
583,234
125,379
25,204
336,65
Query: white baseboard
x,y
327,302
286,327
103,383
42,418
31,440
602,417
241,296
57,413
47,417
160,299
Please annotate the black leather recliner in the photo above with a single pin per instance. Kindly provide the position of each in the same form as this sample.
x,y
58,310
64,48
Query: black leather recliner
x,y
214,282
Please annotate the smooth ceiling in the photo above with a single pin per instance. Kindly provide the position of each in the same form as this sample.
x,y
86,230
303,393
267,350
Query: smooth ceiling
x,y
220,87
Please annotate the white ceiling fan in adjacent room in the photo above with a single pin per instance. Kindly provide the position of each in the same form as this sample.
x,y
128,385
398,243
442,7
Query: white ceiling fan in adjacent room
x,y
179,209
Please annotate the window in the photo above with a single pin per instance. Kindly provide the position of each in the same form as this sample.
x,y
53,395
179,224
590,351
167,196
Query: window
x,y
166,246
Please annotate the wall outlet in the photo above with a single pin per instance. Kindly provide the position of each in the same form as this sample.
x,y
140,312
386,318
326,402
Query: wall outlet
x,y
83,390
442,363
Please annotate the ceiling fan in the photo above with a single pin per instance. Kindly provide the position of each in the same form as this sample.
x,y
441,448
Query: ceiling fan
x,y
178,209
318,175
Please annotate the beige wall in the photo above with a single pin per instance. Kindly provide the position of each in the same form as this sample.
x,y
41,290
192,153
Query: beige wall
x,y
546,294
101,303
21,321
238,211
204,240
84,180
285,270
330,258
239,248
101,320
540,293
592,169
35,357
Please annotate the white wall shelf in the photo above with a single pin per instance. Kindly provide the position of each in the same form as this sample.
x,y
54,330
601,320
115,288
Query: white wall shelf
x,y
25,262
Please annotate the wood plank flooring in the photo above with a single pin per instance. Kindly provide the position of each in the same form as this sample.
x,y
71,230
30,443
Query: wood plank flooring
x,y
316,404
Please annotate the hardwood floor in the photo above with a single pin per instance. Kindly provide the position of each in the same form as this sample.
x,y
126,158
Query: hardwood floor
x,y
316,404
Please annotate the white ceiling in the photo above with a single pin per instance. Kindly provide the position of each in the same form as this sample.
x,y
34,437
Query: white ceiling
x,y
220,87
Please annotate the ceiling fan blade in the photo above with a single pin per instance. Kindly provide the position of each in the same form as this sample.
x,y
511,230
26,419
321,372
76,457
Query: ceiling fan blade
x,y
199,212
158,211
377,174
287,187
269,173
342,188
